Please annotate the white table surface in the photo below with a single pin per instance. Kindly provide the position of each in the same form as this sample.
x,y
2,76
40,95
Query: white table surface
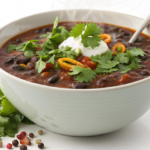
x,y
136,136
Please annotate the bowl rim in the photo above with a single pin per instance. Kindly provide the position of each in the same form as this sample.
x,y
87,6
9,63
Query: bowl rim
x,y
70,89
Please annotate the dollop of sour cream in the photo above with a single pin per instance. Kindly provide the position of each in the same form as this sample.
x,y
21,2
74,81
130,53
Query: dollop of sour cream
x,y
75,43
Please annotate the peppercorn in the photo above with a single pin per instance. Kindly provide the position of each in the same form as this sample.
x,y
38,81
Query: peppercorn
x,y
15,143
1,144
31,135
23,147
38,141
40,132
41,145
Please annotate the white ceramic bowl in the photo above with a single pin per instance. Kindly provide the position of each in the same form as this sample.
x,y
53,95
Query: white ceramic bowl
x,y
75,112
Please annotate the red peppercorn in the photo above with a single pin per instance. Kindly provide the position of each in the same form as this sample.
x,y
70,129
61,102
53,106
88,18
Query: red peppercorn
x,y
20,136
9,146
23,133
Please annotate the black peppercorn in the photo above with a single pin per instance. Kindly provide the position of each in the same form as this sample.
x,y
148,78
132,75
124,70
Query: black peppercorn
x,y
31,135
15,143
23,147
41,145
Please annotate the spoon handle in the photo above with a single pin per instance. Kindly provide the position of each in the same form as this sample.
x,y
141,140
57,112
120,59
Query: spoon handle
x,y
136,34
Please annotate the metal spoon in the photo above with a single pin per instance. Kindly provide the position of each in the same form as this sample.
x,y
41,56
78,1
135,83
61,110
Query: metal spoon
x,y
141,28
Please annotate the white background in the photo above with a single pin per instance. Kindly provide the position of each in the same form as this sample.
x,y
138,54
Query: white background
x,y
135,136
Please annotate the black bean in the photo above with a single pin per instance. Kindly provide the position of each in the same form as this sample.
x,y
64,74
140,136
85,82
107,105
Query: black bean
x,y
34,59
30,66
15,143
119,40
18,67
126,34
143,67
145,72
119,36
18,41
53,79
37,31
105,30
32,72
22,59
41,145
9,60
36,37
148,47
144,57
114,29
81,85
23,147
148,40
45,30
140,39
137,44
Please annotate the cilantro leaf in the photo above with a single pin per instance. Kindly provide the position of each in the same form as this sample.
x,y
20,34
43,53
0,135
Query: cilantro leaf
x,y
51,60
3,120
122,58
83,74
40,65
8,108
92,29
105,61
11,47
45,35
55,22
28,53
102,70
1,94
109,64
136,51
124,68
76,31
91,41
57,66
1,132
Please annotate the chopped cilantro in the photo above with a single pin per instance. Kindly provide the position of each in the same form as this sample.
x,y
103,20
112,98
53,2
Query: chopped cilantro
x,y
83,74
45,35
55,22
11,47
28,53
57,66
40,65
51,60
136,52
123,62
26,47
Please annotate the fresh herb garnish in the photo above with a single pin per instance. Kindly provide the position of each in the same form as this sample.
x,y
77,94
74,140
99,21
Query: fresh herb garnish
x,y
123,62
83,74
89,33
45,35
26,47
10,117
40,65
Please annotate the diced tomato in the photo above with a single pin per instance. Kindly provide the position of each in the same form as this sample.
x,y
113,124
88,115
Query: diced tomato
x,y
92,64
48,67
88,63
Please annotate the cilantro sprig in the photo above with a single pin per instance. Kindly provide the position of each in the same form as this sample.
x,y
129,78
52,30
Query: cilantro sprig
x,y
10,117
89,34
123,62
83,74
26,47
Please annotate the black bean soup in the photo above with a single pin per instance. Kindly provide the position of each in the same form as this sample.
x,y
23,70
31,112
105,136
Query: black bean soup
x,y
10,61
